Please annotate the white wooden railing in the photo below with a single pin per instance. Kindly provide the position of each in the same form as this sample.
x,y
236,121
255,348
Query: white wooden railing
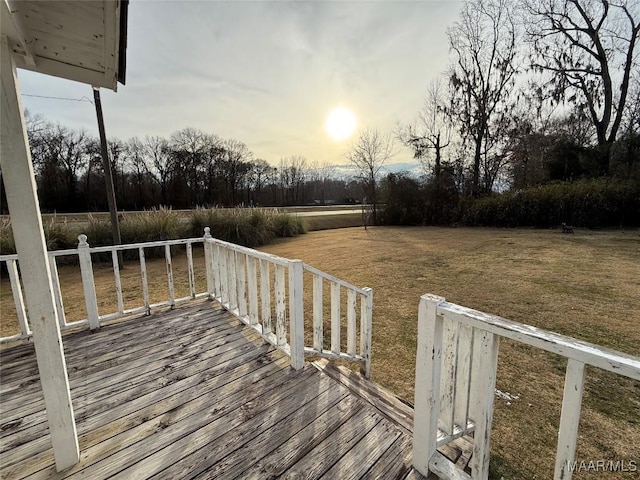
x,y
456,368
267,293
84,252
264,291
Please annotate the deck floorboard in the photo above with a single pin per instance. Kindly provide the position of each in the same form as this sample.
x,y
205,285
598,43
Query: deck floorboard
x,y
191,393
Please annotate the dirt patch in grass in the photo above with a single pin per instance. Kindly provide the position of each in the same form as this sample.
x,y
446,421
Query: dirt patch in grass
x,y
585,285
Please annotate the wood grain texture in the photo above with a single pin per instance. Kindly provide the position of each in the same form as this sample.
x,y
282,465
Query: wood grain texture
x,y
193,393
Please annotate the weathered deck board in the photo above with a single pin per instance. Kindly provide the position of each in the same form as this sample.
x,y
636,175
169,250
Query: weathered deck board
x,y
190,393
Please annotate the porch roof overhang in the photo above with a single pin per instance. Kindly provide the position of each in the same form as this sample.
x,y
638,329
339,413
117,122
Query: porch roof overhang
x,y
77,40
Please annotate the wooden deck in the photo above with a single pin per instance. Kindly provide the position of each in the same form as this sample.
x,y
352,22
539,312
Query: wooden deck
x,y
192,393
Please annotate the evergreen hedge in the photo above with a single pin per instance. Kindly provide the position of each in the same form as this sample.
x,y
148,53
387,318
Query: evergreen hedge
x,y
598,203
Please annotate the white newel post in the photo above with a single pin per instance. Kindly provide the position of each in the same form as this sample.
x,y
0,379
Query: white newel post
x,y
427,383
296,314
208,262
88,285
22,200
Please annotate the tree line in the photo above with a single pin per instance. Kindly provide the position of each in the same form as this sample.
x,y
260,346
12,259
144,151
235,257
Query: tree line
x,y
189,169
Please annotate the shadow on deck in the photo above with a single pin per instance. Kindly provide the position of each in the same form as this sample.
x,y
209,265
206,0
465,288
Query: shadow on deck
x,y
192,393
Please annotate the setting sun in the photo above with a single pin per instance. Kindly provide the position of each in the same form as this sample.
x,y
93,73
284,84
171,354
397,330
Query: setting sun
x,y
340,123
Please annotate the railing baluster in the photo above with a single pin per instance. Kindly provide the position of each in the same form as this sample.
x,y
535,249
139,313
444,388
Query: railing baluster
x,y
265,297
217,272
207,261
366,314
224,282
569,419
296,314
172,293
18,299
335,317
463,372
88,285
318,333
253,290
351,322
482,401
145,284
57,293
281,307
116,274
233,282
427,383
190,274
448,375
242,284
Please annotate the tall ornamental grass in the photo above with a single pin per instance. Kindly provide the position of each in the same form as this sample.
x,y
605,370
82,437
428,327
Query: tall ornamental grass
x,y
248,227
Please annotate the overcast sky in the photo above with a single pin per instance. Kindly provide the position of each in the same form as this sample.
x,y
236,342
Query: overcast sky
x,y
264,73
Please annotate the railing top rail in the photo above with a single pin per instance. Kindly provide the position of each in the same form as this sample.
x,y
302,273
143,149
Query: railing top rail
x,y
159,243
250,251
585,352
110,248
331,278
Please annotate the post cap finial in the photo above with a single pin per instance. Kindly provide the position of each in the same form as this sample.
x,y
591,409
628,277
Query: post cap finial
x,y
82,238
207,232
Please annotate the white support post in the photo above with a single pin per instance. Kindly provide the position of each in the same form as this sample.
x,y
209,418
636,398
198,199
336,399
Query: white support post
x,y
569,419
207,262
88,285
427,383
482,401
22,200
366,326
296,313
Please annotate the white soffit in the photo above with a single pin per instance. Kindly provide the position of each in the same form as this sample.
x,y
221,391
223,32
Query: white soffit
x,y
77,40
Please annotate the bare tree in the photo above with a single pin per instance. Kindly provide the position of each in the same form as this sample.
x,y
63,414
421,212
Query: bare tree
x,y
368,155
588,50
156,149
320,175
235,165
293,172
482,75
431,134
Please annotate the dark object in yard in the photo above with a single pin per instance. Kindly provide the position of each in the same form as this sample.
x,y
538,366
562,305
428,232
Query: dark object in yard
x,y
566,228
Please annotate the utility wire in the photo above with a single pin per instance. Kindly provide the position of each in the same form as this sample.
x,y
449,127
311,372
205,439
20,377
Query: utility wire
x,y
83,99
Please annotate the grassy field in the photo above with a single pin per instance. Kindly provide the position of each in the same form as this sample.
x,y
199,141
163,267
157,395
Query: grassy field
x,y
586,285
